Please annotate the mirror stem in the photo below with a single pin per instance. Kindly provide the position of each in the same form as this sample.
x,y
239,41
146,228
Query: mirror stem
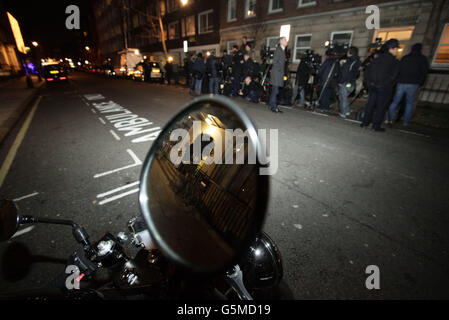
x,y
79,233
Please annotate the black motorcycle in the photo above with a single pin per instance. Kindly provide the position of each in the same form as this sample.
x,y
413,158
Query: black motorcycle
x,y
199,232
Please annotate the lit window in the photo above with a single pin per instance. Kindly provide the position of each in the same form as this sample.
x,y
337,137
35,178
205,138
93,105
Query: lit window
x,y
173,30
232,10
205,22
441,57
190,26
302,44
250,8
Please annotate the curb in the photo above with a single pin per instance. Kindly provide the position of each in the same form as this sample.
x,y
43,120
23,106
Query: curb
x,y
14,117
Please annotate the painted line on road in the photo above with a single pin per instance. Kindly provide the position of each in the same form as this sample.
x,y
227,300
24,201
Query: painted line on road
x,y
319,114
137,162
93,110
414,133
286,107
26,197
107,200
115,135
102,195
355,121
93,97
101,120
17,142
23,231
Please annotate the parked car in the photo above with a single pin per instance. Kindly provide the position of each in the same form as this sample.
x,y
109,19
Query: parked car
x,y
149,72
55,73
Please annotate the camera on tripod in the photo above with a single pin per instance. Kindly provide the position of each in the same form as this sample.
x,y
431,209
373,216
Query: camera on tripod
x,y
336,50
313,60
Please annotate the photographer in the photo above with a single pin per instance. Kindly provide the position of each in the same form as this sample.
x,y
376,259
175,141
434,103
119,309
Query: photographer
x,y
328,79
381,76
252,90
248,67
212,72
348,76
302,77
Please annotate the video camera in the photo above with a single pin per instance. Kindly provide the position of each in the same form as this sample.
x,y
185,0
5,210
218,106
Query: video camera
x,y
337,50
313,60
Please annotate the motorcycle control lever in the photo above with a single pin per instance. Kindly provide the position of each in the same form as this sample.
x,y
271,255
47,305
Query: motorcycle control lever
x,y
235,280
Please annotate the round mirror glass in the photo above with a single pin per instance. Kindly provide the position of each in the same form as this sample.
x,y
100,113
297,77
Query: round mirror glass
x,y
201,193
9,219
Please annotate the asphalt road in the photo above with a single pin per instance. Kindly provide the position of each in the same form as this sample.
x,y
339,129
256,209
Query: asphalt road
x,y
343,198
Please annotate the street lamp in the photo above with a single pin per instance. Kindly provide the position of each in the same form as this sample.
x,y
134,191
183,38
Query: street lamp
x,y
34,43
87,48
184,2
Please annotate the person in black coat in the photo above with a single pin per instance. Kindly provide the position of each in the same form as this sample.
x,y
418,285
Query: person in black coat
x,y
252,90
237,61
248,67
328,75
348,76
199,71
212,68
302,77
381,76
413,70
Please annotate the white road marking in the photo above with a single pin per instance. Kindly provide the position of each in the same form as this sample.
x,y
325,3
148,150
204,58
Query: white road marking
x,y
118,196
93,111
355,121
115,135
27,196
95,96
102,195
23,231
101,120
319,114
137,162
286,107
415,133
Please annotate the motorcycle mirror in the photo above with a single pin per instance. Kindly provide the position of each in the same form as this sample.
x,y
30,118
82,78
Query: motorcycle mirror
x,y
201,193
9,219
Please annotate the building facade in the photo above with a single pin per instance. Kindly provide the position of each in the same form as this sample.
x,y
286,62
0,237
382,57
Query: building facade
x,y
134,24
9,56
313,22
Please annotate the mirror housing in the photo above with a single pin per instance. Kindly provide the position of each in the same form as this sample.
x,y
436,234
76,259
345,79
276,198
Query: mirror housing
x,y
204,215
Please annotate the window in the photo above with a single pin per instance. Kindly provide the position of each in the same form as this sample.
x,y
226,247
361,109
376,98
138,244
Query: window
x,y
341,37
272,42
302,43
232,10
441,57
403,34
229,45
306,3
189,26
172,5
275,6
205,22
250,8
173,30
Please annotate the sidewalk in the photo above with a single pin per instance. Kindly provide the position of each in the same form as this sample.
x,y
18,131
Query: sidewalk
x,y
14,98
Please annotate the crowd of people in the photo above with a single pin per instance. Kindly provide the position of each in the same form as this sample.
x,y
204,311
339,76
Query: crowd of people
x,y
336,79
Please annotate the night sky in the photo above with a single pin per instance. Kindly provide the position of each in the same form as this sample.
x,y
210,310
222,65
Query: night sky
x,y
44,22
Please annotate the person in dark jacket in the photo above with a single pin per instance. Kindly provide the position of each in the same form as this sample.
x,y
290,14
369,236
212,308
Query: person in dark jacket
x,y
348,76
381,76
252,90
328,75
212,69
242,48
168,71
237,61
302,77
413,70
248,66
199,71
226,64
277,73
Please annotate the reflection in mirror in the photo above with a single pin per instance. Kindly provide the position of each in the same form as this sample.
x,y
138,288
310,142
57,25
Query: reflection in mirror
x,y
203,188
9,219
